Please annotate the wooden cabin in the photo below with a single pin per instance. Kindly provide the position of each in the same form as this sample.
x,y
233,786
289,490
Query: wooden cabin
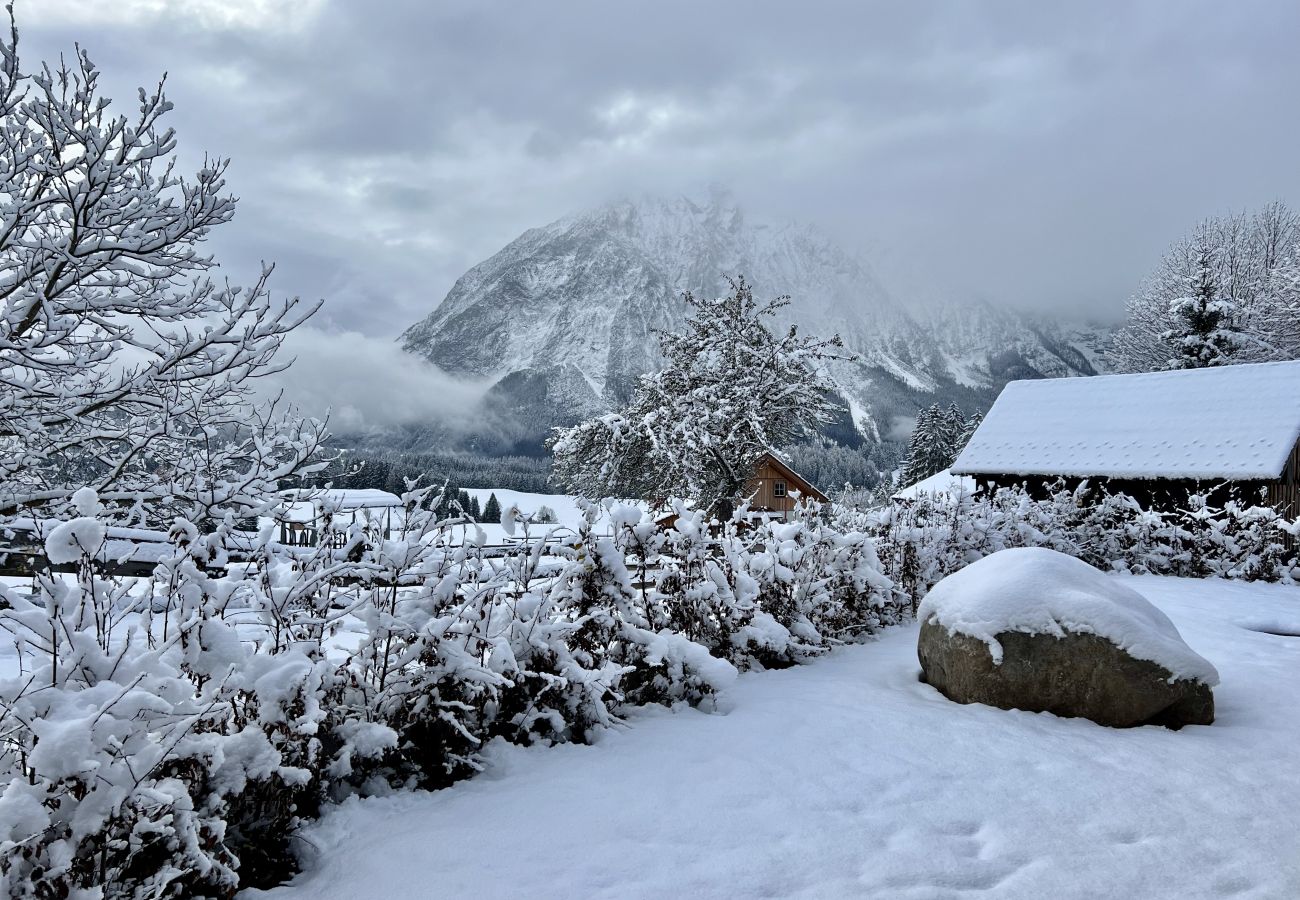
x,y
775,488
772,491
1228,431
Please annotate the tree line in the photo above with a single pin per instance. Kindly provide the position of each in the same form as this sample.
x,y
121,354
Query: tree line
x,y
1227,292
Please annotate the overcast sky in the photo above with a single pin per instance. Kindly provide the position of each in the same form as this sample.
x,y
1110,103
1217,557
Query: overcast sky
x,y
1035,152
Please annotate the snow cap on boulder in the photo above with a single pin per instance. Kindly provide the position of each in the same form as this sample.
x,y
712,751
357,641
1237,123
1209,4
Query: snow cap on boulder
x,y
1034,590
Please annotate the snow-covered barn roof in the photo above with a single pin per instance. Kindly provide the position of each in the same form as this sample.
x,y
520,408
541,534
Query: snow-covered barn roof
x,y
349,498
1229,422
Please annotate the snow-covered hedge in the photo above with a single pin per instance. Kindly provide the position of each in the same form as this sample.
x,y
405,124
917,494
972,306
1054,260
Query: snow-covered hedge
x,y
922,540
164,736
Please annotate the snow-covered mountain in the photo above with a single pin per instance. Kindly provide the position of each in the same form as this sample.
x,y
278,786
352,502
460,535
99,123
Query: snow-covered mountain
x,y
564,316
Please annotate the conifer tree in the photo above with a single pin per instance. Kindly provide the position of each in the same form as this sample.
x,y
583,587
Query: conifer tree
x,y
955,426
967,433
492,511
1229,292
1204,332
932,446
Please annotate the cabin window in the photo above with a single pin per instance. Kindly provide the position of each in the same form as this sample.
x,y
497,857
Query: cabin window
x,y
778,489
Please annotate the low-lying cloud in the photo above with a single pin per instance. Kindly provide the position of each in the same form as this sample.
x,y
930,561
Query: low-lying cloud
x,y
900,428
363,382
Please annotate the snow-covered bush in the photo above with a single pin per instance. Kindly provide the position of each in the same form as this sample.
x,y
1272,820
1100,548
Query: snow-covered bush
x,y
145,758
923,540
614,624
771,593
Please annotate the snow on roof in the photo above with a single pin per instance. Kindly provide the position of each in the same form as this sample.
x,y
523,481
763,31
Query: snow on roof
x,y
1039,591
305,504
350,498
1229,422
942,482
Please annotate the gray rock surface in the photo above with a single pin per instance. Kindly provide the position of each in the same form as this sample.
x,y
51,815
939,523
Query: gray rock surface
x,y
1078,675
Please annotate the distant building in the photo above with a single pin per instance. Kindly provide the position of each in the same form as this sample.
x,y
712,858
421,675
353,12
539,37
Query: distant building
x,y
773,490
1158,436
301,520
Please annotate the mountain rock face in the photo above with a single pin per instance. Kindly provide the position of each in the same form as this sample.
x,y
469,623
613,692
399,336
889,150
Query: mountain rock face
x,y
565,316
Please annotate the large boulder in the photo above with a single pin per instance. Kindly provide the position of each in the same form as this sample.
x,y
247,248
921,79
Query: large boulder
x,y
1034,629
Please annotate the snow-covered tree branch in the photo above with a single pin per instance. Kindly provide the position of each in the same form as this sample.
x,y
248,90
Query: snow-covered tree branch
x,y
123,364
730,391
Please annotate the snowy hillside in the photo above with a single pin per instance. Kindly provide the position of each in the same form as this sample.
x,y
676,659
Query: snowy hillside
x,y
564,316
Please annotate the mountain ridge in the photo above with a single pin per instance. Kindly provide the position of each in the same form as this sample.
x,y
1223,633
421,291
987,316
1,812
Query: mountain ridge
x,y
577,303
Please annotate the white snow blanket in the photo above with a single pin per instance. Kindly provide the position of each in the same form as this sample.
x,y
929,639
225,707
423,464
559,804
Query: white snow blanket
x,y
1230,422
942,482
1039,591
850,778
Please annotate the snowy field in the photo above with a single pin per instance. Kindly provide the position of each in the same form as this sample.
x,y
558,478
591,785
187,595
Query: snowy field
x,y
568,516
848,777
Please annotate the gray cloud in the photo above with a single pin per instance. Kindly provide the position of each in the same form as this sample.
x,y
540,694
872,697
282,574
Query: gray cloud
x,y
1043,154
362,382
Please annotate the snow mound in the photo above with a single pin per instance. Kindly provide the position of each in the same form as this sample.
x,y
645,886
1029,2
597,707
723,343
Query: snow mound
x,y
1040,591
69,540
942,482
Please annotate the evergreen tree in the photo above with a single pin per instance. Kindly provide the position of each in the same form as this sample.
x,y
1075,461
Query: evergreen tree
x,y
1229,292
448,502
932,445
954,426
967,433
1204,331
475,511
492,511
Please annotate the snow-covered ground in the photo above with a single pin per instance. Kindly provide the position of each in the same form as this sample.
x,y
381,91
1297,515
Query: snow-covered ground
x,y
568,515
848,777
564,506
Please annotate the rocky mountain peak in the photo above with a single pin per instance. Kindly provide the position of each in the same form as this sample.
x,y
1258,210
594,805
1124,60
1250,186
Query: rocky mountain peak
x,y
580,300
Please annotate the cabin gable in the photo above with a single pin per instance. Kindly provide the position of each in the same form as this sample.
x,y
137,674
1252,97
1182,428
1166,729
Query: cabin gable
x,y
775,487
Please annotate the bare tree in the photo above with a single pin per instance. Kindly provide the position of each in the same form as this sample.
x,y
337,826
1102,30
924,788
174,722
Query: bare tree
x,y
123,365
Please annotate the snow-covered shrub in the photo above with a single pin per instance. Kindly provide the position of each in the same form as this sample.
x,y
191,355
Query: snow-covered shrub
x,y
772,593
921,541
698,590
128,750
611,623
1236,541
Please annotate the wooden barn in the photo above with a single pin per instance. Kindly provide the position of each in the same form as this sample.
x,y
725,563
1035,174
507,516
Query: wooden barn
x,y
1157,436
